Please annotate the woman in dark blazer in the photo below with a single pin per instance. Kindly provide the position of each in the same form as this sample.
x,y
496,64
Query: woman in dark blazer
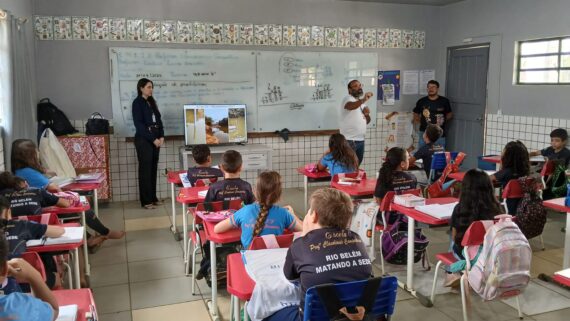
x,y
149,137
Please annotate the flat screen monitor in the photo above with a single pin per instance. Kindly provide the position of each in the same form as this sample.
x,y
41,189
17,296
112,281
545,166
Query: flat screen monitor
x,y
215,124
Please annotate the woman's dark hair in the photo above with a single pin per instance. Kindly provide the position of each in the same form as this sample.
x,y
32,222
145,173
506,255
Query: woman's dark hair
x,y
25,154
394,157
477,201
267,192
141,84
515,156
342,152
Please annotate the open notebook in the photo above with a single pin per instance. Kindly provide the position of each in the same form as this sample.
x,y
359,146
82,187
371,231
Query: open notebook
x,y
67,313
440,211
71,235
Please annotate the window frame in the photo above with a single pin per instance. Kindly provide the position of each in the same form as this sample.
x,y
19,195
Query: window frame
x,y
559,53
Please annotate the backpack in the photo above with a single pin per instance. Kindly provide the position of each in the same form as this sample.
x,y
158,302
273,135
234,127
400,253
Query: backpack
x,y
54,118
221,265
503,266
558,182
531,214
395,245
437,188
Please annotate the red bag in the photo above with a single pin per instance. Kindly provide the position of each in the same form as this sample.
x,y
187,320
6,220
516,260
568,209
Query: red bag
x,y
72,197
436,190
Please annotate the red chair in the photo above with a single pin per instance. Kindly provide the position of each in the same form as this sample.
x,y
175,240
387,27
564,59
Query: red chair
x,y
384,210
284,241
197,235
514,191
474,236
34,259
45,218
361,174
546,172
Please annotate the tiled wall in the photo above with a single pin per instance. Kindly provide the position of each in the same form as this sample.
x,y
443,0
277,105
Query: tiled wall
x,y
2,162
534,132
287,157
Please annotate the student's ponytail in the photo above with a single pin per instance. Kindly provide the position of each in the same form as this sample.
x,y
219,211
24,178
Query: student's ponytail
x,y
268,192
394,157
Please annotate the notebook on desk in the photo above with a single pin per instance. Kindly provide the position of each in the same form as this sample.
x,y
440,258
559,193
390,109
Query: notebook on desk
x,y
439,211
61,181
71,235
67,313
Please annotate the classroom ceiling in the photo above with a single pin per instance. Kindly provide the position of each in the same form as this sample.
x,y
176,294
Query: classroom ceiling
x,y
422,2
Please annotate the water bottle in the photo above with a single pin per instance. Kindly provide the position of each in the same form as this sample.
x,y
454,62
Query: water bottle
x,y
567,200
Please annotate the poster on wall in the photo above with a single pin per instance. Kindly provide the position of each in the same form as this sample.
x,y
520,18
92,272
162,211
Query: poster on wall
x,y
400,130
425,76
410,79
389,77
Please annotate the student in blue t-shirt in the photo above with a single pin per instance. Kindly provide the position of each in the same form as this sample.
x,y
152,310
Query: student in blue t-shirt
x,y
262,217
20,306
339,158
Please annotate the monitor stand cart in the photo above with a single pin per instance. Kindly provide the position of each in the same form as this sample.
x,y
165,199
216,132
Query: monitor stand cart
x,y
255,156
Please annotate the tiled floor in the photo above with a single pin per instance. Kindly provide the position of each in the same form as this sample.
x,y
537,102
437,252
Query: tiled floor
x,y
141,278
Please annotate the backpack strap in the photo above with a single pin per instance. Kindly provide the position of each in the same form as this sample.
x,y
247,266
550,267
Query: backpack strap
x,y
208,207
44,100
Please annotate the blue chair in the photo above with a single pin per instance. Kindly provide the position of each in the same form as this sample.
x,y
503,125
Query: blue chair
x,y
350,294
438,164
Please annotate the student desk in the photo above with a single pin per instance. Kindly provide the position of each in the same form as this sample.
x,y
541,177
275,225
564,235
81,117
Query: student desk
x,y
188,196
231,236
497,160
364,189
458,176
312,177
70,210
83,298
557,278
67,247
413,216
173,178
557,204
86,188
240,285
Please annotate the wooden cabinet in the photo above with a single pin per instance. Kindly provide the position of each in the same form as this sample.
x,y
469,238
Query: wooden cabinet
x,y
90,154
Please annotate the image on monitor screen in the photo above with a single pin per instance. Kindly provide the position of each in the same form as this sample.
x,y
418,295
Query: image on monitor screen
x,y
215,124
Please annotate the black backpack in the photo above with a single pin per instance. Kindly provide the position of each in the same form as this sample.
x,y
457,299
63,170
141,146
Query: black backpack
x,y
531,214
54,118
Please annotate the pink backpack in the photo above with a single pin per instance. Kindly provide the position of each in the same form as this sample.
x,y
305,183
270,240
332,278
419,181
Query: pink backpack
x,y
503,266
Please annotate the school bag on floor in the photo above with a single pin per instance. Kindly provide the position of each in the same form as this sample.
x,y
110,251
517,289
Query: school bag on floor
x,y
558,182
54,118
531,214
503,266
395,245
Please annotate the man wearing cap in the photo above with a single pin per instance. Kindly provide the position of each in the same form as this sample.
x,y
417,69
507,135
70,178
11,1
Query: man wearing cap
x,y
353,117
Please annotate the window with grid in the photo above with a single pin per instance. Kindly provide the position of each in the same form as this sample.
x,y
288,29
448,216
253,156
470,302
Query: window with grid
x,y
544,61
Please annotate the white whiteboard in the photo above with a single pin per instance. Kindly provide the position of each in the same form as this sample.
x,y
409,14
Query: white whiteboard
x,y
295,90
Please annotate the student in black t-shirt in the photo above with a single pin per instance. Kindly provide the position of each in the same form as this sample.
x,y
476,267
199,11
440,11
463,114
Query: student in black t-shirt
x,y
432,109
19,232
557,149
425,152
514,164
204,172
328,252
393,178
232,187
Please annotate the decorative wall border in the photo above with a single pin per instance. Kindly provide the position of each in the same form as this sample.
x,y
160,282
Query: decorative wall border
x,y
195,32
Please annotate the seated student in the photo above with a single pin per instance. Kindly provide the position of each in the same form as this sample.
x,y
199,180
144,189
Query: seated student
x,y
327,220
514,164
204,171
20,306
557,149
264,216
477,202
19,232
232,187
425,152
26,164
339,158
392,176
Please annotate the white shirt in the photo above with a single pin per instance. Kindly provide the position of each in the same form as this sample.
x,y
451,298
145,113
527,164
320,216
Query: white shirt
x,y
352,122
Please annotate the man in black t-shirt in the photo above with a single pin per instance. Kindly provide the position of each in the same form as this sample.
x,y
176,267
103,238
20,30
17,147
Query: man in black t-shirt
x,y
432,109
328,252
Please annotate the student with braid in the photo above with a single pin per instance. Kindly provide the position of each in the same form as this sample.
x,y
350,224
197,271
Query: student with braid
x,y
264,216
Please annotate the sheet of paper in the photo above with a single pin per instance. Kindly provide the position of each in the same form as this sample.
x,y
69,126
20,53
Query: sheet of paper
x,y
425,76
203,193
400,130
440,211
184,179
410,78
388,95
67,313
564,273
71,235
538,159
